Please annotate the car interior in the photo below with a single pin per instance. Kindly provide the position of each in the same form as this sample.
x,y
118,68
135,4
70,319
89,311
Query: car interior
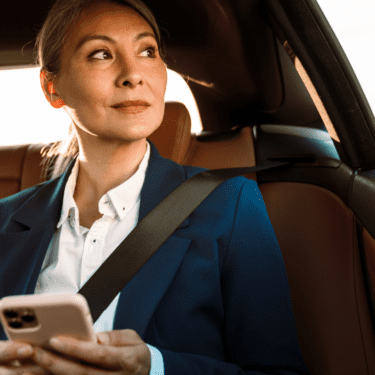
x,y
271,83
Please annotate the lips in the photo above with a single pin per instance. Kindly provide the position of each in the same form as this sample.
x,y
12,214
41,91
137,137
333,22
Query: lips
x,y
132,106
131,103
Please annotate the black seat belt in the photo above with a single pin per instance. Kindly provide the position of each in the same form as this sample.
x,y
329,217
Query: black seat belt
x,y
152,231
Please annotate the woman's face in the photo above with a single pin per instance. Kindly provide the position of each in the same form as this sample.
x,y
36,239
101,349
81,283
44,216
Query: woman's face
x,y
112,79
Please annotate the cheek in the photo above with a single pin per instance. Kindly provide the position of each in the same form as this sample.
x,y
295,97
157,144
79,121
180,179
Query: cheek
x,y
85,90
159,78
165,81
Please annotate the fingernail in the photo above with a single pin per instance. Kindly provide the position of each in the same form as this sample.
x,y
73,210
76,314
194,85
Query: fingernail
x,y
26,350
56,342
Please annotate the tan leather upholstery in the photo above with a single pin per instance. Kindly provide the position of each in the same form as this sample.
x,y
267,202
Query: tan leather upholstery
x,y
16,171
20,166
224,154
172,138
317,235
315,229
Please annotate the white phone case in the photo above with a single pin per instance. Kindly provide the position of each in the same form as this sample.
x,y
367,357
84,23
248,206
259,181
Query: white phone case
x,y
36,318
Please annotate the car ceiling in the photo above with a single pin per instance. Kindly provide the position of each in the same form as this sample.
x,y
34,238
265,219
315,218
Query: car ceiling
x,y
225,49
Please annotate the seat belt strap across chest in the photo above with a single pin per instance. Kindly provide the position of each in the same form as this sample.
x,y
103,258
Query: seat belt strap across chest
x,y
152,231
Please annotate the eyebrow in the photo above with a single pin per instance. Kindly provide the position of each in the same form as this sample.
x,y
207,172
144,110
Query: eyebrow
x,y
106,38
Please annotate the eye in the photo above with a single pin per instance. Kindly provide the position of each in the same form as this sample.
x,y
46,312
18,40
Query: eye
x,y
100,55
149,52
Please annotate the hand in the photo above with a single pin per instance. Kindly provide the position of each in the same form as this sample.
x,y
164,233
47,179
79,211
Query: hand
x,y
119,352
12,362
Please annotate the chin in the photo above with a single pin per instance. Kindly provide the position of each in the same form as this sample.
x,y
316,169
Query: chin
x,y
126,137
135,129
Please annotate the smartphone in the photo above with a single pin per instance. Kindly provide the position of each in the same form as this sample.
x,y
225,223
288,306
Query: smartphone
x,y
34,319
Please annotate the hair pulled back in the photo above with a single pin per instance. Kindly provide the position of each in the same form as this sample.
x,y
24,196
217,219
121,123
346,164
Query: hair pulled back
x,y
49,43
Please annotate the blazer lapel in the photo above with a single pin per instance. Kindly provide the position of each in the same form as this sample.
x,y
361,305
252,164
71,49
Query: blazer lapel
x,y
141,296
28,236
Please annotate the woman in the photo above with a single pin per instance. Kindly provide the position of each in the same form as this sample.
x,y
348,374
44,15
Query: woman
x,y
221,305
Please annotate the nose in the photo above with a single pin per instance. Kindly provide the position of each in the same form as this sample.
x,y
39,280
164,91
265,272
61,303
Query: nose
x,y
130,74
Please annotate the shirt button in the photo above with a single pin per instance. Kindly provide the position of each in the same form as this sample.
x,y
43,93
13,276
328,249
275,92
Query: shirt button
x,y
123,208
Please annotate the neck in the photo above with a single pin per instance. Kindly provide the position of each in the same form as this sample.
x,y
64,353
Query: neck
x,y
103,168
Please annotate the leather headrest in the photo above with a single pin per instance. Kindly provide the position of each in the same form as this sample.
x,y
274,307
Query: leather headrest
x,y
173,137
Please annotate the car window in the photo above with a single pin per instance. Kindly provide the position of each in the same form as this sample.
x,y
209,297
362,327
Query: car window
x,y
354,25
26,116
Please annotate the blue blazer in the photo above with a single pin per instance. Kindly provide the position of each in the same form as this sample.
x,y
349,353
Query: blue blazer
x,y
214,299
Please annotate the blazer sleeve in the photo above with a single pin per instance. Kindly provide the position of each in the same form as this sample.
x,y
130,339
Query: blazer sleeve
x,y
260,331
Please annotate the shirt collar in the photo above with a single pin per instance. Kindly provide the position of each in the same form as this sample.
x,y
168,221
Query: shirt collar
x,y
119,200
126,195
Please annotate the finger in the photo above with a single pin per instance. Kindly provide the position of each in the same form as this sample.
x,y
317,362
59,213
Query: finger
x,y
105,356
20,363
22,370
61,366
102,338
10,350
120,337
32,369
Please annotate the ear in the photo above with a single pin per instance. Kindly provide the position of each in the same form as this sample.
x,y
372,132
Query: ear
x,y
46,81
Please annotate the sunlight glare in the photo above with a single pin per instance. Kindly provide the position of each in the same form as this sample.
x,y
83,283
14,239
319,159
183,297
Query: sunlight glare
x,y
353,24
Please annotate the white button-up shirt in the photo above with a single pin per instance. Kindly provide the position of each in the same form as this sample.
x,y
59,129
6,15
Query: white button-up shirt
x,y
76,252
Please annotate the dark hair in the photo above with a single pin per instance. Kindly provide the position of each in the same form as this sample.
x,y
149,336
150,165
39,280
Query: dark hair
x,y
49,43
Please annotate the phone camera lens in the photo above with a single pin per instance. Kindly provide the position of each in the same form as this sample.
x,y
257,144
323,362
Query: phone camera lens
x,y
15,323
10,313
28,316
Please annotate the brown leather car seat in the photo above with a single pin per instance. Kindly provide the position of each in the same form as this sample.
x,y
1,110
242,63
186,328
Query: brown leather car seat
x,y
223,153
315,229
318,239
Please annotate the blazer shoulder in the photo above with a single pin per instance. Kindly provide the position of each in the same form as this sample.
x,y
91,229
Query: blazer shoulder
x,y
191,171
238,180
